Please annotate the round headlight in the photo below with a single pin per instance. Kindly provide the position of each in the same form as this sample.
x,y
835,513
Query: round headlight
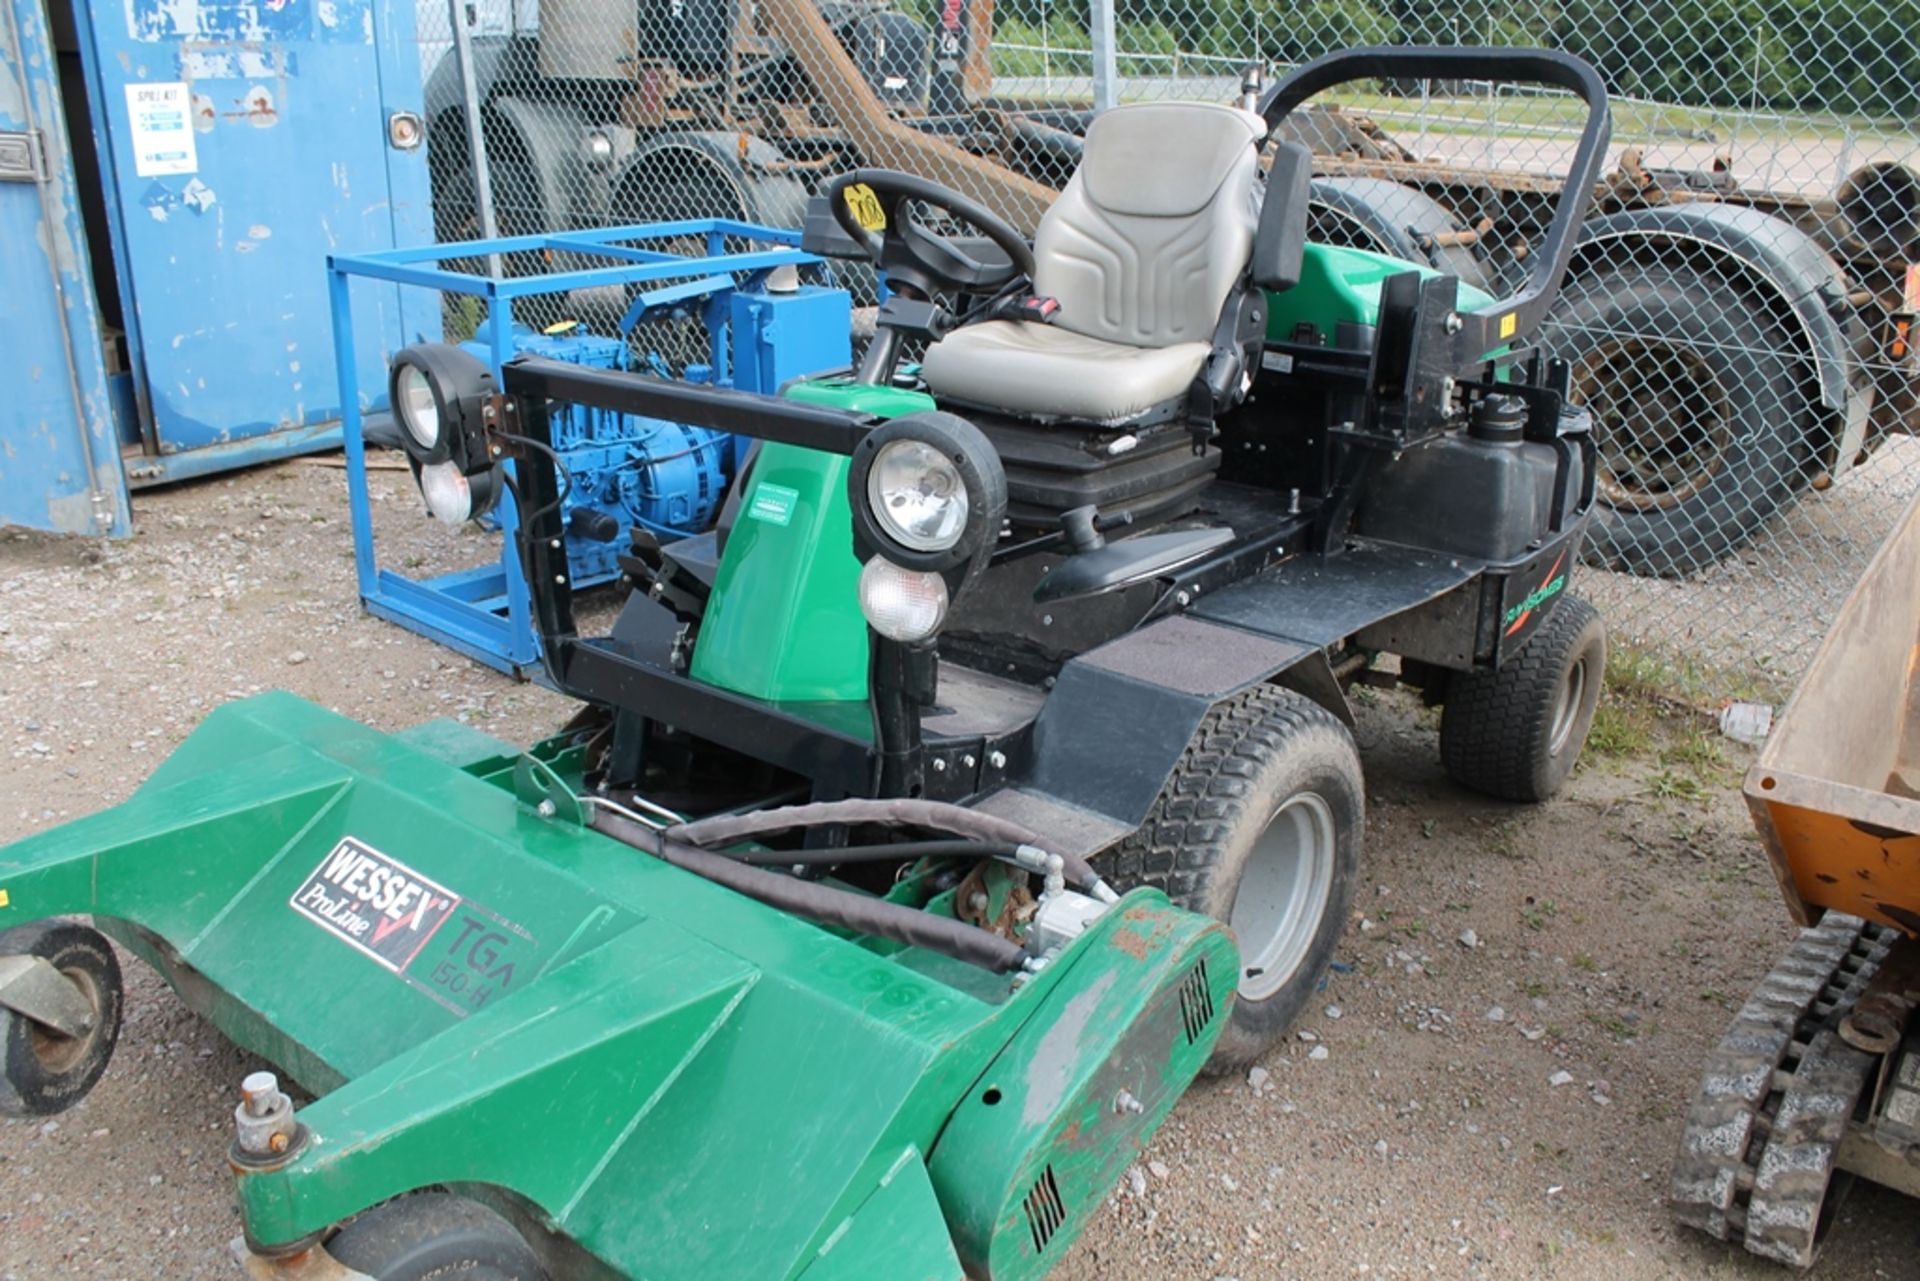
x,y
902,604
917,495
414,405
438,393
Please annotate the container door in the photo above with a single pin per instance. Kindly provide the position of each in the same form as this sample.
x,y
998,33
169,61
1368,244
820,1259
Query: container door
x,y
245,140
59,462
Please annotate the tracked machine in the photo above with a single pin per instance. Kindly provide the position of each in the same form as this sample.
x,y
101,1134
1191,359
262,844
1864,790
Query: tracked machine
x,y
932,821
1818,1080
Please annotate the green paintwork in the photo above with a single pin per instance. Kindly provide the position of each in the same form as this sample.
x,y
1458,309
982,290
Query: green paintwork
x,y
685,1082
1336,284
861,398
783,622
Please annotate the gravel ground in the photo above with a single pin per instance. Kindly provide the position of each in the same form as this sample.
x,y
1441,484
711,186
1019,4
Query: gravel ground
x,y
1410,1128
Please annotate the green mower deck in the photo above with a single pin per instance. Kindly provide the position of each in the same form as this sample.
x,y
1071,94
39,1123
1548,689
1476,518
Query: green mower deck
x,y
649,1074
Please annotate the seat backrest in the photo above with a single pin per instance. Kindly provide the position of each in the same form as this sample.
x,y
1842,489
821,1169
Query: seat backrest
x,y
1157,224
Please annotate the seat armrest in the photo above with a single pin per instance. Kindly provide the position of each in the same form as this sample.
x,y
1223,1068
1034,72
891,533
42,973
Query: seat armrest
x,y
1280,241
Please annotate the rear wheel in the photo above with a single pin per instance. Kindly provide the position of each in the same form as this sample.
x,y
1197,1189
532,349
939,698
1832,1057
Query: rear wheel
x,y
434,1235
1259,827
43,1071
1702,424
1516,732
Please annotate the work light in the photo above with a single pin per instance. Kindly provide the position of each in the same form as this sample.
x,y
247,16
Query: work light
x,y
928,494
917,495
438,392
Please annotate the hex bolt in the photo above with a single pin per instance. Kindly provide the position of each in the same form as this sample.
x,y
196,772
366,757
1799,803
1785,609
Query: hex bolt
x,y
968,760
258,1092
1125,1102
939,765
546,808
997,759
980,903
1181,598
1454,322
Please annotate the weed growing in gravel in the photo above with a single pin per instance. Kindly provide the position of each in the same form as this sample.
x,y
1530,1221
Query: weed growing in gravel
x,y
1672,785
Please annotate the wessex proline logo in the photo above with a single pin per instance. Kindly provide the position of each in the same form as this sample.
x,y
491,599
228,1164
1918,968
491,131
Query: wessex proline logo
x,y
377,904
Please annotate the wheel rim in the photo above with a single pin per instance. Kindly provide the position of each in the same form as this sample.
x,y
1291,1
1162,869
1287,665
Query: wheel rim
x,y
1661,421
1283,893
57,1052
1566,710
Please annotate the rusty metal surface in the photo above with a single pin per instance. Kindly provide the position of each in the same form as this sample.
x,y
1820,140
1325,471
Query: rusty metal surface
x,y
313,1264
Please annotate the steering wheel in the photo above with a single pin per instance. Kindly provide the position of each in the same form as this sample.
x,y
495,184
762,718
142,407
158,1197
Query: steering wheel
x,y
908,252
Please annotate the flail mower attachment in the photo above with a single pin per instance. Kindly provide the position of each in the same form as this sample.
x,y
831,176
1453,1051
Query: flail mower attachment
x,y
492,992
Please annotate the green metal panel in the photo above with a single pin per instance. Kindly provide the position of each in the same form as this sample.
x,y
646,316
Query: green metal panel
x,y
897,1233
686,1082
1338,283
783,622
1071,1102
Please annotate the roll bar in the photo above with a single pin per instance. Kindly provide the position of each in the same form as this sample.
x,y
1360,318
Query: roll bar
x,y
1515,317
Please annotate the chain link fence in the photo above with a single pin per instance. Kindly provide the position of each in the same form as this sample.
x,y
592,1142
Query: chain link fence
x,y
1736,317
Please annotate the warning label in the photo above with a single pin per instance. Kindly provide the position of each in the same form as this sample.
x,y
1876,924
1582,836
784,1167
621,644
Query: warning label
x,y
378,904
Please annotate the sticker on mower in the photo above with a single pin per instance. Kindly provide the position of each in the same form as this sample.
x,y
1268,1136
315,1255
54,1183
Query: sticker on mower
x,y
375,903
773,503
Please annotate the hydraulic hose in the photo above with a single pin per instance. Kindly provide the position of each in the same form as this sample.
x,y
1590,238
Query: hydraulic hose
x,y
731,828
822,903
892,852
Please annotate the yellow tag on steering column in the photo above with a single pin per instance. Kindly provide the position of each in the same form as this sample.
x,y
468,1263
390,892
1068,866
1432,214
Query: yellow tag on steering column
x,y
866,207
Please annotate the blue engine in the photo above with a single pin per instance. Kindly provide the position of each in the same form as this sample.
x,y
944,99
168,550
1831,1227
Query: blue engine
x,y
664,477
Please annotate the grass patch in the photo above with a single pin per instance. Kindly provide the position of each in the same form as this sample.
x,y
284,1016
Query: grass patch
x,y
1620,729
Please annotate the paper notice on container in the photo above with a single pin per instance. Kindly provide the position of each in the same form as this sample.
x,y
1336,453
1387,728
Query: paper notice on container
x,y
162,129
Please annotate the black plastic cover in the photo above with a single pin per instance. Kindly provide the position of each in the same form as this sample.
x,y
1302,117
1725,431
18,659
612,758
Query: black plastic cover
x,y
1280,241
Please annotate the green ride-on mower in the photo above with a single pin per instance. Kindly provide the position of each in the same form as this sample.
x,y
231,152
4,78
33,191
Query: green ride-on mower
x,y
931,823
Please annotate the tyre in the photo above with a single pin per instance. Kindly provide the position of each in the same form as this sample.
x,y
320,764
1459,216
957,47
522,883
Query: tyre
x,y
1260,827
1703,426
1515,732
1392,218
434,1235
43,1071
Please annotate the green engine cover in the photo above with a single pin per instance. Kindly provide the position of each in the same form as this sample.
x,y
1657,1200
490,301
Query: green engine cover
x,y
1340,284
783,622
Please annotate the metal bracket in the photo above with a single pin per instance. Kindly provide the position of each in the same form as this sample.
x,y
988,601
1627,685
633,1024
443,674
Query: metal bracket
x,y
312,1264
535,783
31,986
23,156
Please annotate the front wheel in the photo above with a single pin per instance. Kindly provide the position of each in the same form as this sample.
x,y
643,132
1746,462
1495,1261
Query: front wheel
x,y
434,1235
44,1070
1515,732
1260,827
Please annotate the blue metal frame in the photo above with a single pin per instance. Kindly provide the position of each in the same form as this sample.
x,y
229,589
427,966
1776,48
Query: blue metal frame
x,y
485,613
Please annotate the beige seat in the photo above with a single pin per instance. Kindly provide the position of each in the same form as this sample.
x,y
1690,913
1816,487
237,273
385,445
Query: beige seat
x,y
1141,250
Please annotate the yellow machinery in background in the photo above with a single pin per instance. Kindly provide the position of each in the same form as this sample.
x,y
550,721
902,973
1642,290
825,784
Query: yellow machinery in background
x,y
1818,1079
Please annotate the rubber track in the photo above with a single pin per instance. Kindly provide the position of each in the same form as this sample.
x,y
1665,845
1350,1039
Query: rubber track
x,y
1196,809
1756,1152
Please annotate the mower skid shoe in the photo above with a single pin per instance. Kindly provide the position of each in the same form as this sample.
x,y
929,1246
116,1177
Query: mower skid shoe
x,y
313,1264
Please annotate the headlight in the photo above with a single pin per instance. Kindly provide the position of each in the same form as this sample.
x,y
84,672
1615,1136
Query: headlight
x,y
902,604
917,495
415,407
438,392
928,493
